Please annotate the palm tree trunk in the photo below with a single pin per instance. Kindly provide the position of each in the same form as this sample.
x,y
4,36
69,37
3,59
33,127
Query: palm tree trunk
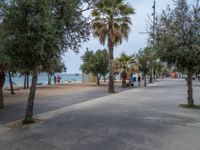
x,y
11,84
2,80
29,108
123,82
190,90
111,88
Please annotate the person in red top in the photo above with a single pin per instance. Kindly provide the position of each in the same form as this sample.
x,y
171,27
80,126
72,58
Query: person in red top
x,y
58,79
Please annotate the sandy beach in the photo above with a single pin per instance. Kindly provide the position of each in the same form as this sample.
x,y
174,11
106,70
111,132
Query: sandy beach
x,y
52,90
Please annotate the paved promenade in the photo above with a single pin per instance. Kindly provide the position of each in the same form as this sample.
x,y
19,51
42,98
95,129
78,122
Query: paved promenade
x,y
137,119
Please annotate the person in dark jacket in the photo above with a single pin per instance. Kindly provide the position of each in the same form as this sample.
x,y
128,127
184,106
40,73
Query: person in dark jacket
x,y
139,79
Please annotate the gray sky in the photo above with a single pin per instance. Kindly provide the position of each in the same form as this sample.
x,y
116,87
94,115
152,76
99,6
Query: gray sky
x,y
143,8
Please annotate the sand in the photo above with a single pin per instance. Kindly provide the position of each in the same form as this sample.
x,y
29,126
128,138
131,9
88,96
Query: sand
x,y
52,90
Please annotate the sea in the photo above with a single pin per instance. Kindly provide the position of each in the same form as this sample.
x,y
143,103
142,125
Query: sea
x,y
18,80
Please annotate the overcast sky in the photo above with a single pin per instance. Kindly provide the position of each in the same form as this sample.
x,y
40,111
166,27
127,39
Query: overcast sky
x,y
143,8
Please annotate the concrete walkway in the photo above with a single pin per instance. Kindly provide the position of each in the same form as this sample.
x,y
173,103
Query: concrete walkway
x,y
15,108
137,119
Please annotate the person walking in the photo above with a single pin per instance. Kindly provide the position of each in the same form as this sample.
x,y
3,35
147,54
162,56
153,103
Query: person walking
x,y
139,79
58,79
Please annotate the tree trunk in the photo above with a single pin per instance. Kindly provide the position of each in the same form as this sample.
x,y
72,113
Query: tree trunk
x,y
145,81
151,76
11,84
97,79
25,80
29,108
2,80
111,88
49,78
123,81
104,78
154,74
190,90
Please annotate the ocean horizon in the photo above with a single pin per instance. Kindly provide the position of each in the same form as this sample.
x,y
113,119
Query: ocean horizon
x,y
18,80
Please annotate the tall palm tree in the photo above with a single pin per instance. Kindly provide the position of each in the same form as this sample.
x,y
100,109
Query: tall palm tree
x,y
111,24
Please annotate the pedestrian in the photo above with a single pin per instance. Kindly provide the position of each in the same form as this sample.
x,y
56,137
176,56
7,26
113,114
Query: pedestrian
x,y
58,79
139,79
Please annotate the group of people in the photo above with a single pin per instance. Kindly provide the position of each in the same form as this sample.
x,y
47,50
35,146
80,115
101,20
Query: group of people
x,y
125,76
57,79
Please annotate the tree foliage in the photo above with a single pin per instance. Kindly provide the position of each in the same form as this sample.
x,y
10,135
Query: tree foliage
x,y
177,38
125,60
95,63
144,63
35,32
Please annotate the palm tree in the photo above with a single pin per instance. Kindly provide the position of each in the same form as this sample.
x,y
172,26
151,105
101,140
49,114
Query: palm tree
x,y
125,60
126,63
111,25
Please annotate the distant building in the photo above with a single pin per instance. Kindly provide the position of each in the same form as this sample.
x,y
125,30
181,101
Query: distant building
x,y
88,77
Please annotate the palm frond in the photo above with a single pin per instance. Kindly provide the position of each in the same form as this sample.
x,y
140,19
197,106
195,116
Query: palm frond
x,y
111,20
